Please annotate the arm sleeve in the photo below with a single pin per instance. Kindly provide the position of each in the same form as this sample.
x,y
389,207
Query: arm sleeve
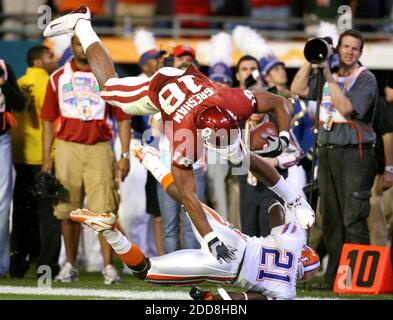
x,y
50,109
363,94
41,95
241,102
130,94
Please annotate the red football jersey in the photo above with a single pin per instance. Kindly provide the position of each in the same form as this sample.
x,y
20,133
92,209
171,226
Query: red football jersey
x,y
179,96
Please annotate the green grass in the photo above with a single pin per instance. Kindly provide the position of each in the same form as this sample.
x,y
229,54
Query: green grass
x,y
94,280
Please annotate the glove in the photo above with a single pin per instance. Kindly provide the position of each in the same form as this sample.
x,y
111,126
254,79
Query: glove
x,y
221,251
274,147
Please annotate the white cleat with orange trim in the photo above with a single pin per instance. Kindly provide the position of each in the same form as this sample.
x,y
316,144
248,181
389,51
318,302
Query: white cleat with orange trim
x,y
94,221
66,24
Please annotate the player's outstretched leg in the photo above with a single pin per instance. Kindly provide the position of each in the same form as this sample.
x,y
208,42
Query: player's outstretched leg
x,y
105,223
296,207
78,23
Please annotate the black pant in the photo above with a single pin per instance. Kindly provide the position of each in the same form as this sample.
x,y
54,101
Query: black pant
x,y
345,182
36,233
254,202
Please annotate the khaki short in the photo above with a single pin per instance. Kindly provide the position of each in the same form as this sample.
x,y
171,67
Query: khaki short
x,y
86,170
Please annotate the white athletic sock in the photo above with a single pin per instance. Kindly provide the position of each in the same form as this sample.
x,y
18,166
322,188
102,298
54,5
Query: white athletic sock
x,y
156,167
283,190
84,31
117,240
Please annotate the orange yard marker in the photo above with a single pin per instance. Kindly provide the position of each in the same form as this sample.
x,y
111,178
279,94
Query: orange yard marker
x,y
364,269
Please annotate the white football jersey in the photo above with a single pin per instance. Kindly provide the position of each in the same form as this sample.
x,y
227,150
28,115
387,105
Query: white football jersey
x,y
270,263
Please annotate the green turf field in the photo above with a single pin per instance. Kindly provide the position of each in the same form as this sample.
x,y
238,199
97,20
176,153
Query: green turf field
x,y
91,287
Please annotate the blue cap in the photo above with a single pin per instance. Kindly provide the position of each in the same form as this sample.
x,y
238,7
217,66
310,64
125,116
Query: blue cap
x,y
268,63
151,54
220,72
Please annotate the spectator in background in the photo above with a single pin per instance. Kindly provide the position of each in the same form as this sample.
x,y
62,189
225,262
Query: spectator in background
x,y
277,10
35,230
11,99
323,9
387,195
382,196
346,168
252,194
228,8
83,154
199,8
164,8
247,71
375,10
97,7
246,68
139,10
316,10
182,56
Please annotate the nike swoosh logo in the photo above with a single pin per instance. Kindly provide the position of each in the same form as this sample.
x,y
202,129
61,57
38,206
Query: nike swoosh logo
x,y
53,25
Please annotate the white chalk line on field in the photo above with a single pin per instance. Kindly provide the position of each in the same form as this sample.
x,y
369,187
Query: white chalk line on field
x,y
116,294
99,293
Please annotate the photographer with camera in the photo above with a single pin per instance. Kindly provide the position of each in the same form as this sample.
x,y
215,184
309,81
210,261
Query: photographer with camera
x,y
345,139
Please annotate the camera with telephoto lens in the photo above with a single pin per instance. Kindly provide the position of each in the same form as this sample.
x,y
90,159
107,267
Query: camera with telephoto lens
x,y
317,50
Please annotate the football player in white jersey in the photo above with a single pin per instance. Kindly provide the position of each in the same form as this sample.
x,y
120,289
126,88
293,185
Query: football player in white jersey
x,y
265,267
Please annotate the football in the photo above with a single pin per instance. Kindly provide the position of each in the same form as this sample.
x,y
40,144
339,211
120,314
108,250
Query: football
x,y
257,140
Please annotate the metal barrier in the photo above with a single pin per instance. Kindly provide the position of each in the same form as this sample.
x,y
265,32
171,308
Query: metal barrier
x,y
124,26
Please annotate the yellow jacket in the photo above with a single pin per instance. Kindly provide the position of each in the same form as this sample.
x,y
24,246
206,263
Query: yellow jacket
x,y
27,135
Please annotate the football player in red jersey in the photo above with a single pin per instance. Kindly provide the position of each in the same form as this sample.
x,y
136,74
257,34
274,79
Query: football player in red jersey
x,y
187,101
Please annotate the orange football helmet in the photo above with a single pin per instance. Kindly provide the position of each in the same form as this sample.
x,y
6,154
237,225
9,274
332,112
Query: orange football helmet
x,y
309,262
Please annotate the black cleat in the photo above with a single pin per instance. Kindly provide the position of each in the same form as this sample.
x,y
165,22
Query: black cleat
x,y
198,293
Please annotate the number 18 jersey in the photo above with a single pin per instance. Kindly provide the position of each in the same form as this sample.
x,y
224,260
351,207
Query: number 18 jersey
x,y
179,96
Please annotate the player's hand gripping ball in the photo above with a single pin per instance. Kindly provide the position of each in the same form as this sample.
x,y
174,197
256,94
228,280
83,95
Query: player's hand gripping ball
x,y
259,134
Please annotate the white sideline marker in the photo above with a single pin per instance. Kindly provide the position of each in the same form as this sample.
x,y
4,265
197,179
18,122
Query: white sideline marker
x,y
120,294
116,294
